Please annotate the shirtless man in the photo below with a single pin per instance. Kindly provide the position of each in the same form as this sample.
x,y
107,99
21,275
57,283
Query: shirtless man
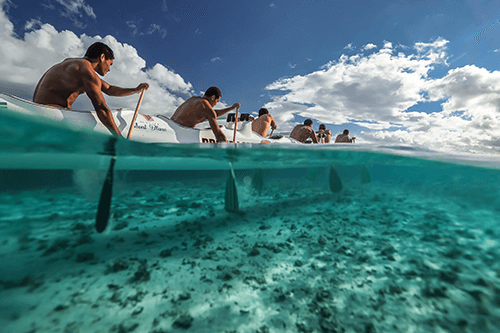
x,y
261,125
303,132
344,137
65,81
198,109
324,135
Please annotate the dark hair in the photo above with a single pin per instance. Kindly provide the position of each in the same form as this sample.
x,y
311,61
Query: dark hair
x,y
346,132
263,112
95,50
308,122
322,126
213,91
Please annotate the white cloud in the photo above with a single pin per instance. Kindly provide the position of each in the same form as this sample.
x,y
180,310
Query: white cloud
x,y
380,91
77,11
215,59
24,60
349,46
156,27
272,5
292,66
368,46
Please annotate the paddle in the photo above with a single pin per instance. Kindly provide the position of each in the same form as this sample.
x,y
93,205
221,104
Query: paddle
x,y
272,130
135,114
231,197
334,180
258,181
104,207
102,217
235,126
365,175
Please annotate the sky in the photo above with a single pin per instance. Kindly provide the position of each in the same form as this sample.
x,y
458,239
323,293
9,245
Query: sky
x,y
392,72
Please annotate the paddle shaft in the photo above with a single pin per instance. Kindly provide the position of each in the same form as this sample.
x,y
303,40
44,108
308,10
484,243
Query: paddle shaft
x,y
135,114
270,135
235,125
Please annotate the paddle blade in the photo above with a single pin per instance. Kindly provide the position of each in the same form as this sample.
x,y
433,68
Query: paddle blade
x,y
231,204
365,175
102,218
258,181
334,180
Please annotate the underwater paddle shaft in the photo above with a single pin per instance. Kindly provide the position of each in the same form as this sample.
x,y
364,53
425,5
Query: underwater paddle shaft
x,y
104,207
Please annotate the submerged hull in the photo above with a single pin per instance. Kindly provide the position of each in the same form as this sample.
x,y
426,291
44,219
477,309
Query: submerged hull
x,y
147,128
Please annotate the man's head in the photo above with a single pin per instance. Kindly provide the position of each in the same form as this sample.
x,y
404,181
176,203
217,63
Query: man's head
x,y
308,122
322,127
104,56
263,111
346,132
213,95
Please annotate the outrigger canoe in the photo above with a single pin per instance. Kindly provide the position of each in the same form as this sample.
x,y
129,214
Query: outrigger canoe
x,y
147,128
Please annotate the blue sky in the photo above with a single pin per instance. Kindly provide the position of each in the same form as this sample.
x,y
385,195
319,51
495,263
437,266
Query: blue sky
x,y
390,71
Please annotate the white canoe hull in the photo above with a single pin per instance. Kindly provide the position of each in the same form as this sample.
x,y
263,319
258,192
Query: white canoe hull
x,y
147,128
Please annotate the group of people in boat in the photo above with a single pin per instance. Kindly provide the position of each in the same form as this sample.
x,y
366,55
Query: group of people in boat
x,y
64,82
304,133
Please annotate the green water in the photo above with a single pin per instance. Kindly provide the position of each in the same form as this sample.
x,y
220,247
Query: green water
x,y
412,247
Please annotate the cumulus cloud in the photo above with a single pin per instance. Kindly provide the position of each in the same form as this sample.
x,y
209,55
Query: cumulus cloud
x,y
24,60
380,92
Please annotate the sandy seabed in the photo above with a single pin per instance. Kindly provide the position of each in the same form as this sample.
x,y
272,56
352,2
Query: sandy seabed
x,y
373,258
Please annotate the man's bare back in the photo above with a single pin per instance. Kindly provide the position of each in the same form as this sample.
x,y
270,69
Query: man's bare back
x,y
261,125
62,83
192,112
303,132
198,109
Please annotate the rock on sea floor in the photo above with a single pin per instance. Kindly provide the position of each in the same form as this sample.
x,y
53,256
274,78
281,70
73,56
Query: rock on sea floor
x,y
374,258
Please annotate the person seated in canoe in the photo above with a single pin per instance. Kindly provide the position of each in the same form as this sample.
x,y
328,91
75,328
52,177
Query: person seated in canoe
x,y
261,125
64,82
344,137
304,132
324,135
198,109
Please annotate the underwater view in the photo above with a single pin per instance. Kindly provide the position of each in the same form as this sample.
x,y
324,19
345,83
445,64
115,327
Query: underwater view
x,y
367,239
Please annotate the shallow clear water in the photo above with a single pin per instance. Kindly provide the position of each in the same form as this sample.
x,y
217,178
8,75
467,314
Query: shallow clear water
x,y
416,249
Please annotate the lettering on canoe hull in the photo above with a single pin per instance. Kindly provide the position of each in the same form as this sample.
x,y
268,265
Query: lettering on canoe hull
x,y
155,127
207,140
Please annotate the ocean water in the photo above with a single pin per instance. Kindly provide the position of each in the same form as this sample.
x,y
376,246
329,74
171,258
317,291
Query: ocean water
x,y
337,238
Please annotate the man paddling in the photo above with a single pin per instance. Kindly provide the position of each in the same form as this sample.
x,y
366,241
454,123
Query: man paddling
x,y
198,109
261,125
64,82
324,135
303,132
344,137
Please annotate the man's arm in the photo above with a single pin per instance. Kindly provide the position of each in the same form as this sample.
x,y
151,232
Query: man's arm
x,y
222,112
92,85
273,124
313,136
211,115
120,92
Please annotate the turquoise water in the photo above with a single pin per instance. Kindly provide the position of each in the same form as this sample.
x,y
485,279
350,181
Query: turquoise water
x,y
411,247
